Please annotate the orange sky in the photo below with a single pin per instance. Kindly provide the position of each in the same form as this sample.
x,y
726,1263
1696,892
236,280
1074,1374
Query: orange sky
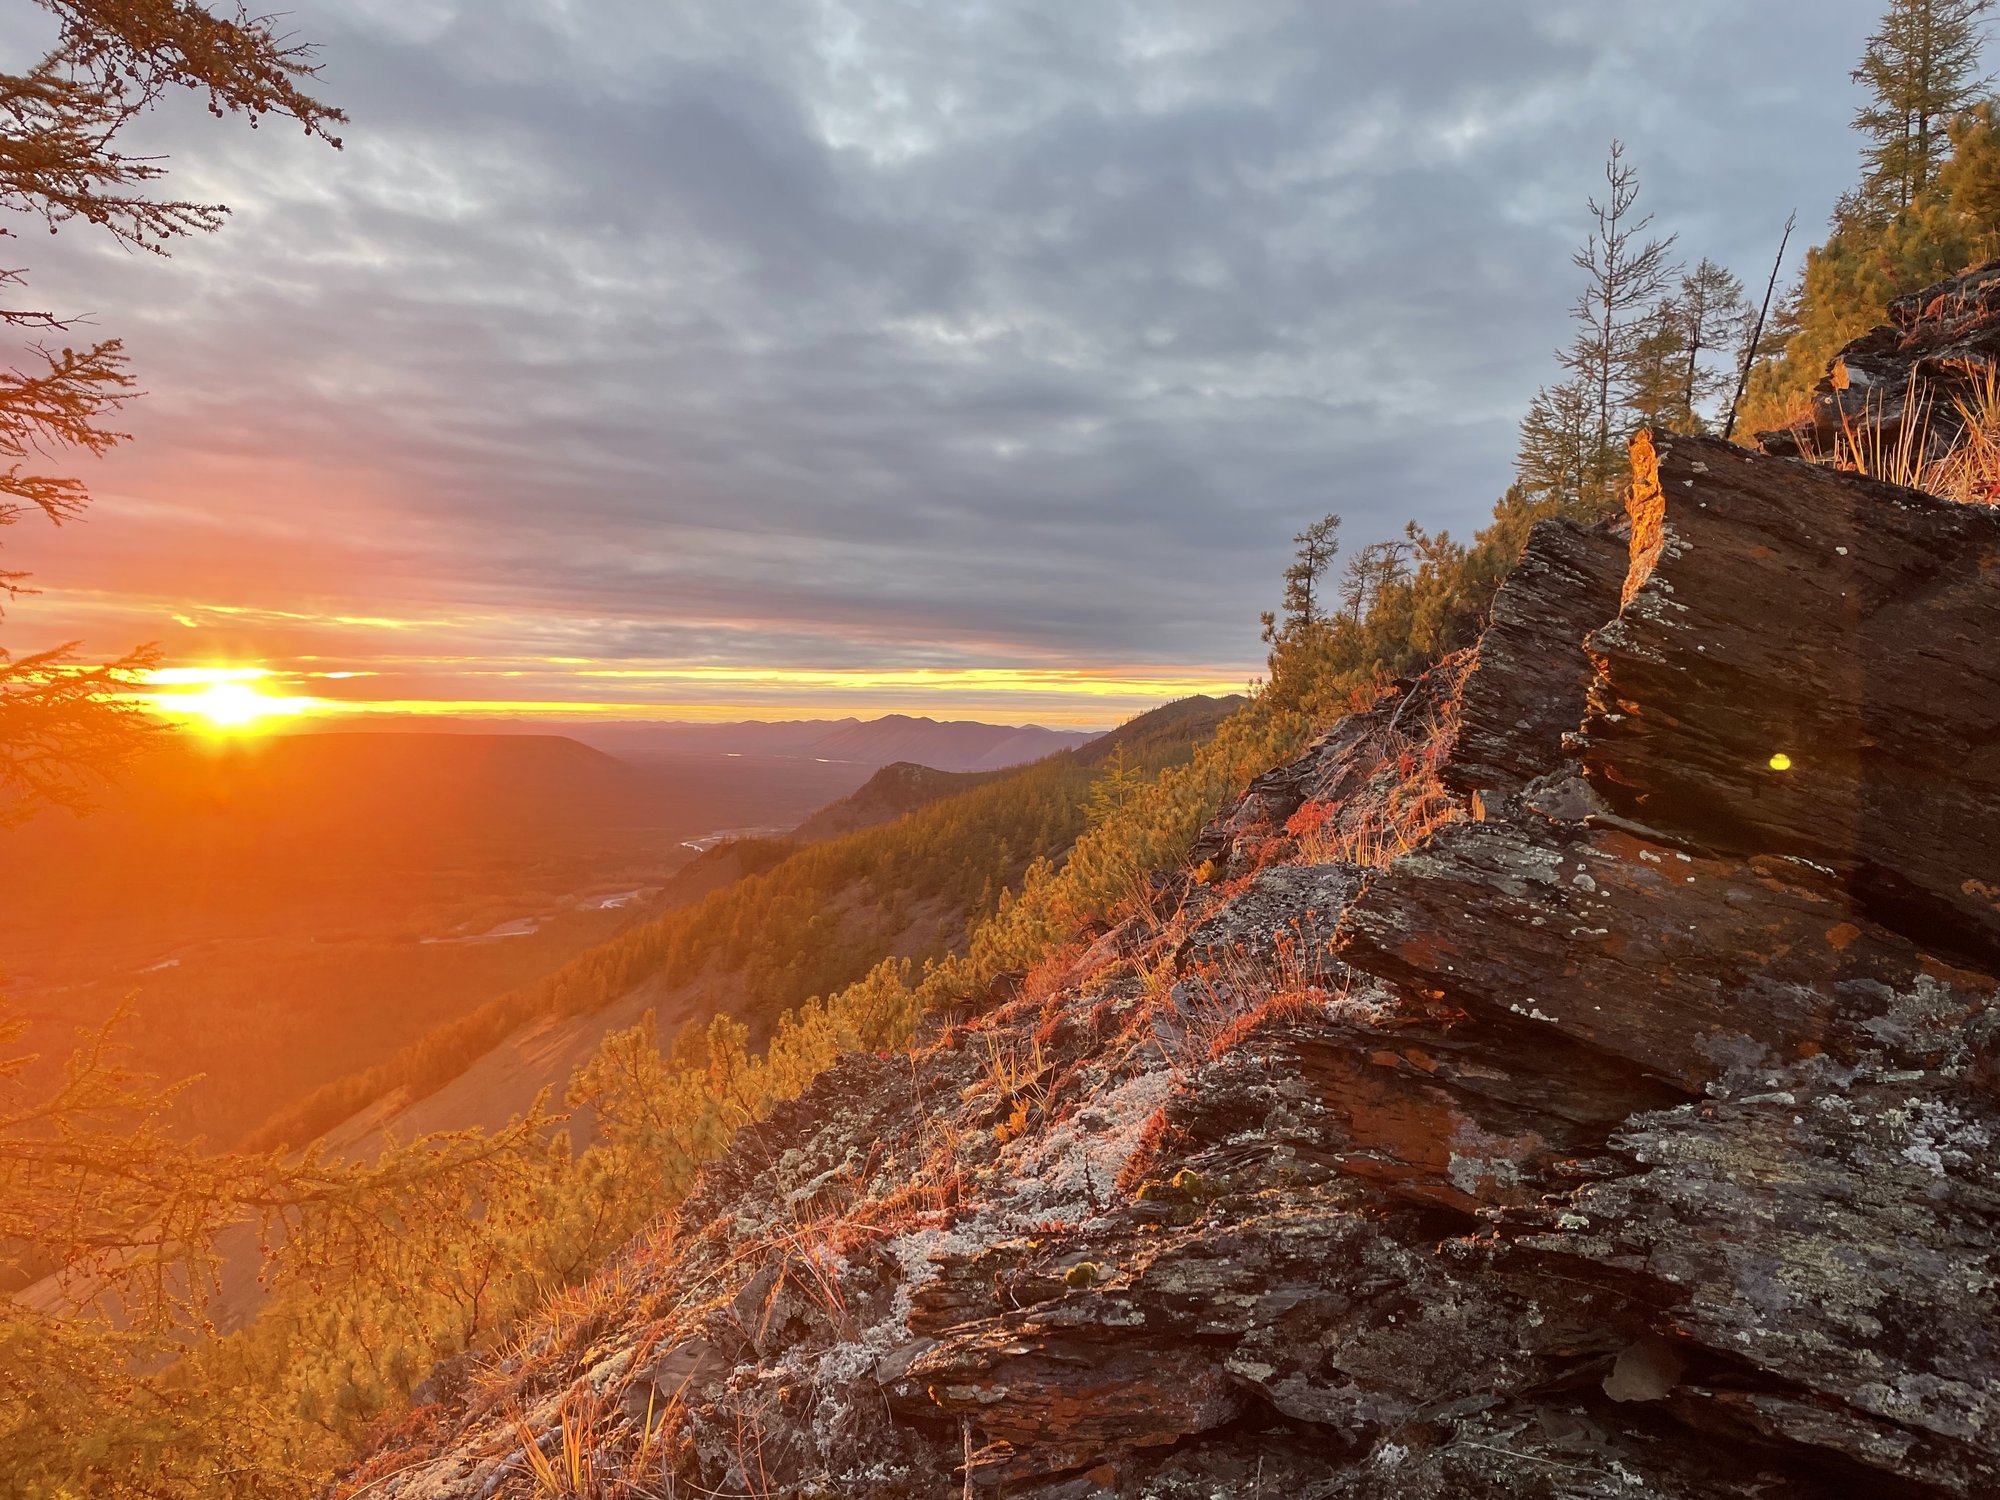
x,y
227,565
332,631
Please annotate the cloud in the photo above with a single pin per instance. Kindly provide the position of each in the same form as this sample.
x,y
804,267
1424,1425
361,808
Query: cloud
x,y
817,334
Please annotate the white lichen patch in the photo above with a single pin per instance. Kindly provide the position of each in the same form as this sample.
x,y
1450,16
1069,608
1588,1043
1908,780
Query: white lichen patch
x,y
917,1254
1071,1174
836,1375
1940,1139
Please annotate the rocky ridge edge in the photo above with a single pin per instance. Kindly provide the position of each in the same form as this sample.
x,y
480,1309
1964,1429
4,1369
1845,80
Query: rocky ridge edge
x,y
1628,1130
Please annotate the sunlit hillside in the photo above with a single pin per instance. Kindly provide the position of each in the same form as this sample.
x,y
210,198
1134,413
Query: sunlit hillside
x,y
799,922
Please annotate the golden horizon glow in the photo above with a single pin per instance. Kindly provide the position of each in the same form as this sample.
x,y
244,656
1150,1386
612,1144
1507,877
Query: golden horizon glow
x,y
1074,682
203,676
236,698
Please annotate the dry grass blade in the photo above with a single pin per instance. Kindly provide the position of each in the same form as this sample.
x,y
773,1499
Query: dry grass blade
x,y
575,1478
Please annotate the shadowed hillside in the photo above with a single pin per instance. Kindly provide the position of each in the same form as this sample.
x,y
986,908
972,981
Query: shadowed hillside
x,y
887,795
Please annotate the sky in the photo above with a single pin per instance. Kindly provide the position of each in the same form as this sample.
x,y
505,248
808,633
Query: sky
x,y
799,358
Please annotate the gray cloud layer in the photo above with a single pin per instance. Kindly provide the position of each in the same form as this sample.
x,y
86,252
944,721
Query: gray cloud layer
x,y
912,331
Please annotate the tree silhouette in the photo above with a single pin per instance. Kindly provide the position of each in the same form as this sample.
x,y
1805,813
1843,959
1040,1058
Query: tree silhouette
x,y
1301,607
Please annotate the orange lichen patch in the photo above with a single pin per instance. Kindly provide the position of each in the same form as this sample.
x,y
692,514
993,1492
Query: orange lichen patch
x,y
1646,504
1780,876
1970,981
1840,935
1404,1130
1980,890
1627,847
1404,1125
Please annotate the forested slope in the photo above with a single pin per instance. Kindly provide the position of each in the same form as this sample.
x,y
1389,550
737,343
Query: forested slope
x,y
802,920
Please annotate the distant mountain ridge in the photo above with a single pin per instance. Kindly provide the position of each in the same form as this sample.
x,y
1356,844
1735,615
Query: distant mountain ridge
x,y
904,786
943,745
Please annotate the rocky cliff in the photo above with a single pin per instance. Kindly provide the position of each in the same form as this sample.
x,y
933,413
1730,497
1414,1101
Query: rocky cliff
x,y
1575,1076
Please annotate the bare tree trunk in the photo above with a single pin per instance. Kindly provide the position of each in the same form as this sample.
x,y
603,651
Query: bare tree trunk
x,y
1757,336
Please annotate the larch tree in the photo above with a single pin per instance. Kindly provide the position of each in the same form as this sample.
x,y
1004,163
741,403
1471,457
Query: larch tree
x,y
1715,320
1656,395
1302,608
1968,183
1926,207
1553,463
1299,629
63,163
1684,356
1118,781
1625,274
1370,574
1921,69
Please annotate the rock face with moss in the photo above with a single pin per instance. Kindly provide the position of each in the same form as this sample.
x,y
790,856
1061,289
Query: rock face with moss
x,y
1575,1076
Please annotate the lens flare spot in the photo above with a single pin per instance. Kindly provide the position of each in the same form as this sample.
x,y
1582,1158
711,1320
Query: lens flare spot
x,y
1781,762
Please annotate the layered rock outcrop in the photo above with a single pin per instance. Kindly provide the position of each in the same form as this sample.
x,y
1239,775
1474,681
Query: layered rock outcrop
x,y
1929,366
1578,1076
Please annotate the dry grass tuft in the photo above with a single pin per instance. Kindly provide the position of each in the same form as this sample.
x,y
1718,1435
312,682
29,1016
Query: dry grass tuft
x,y
1955,456
566,1469
1227,995
1285,1006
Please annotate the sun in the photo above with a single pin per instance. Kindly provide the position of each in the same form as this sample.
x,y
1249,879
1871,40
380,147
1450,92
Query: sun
x,y
221,700
232,705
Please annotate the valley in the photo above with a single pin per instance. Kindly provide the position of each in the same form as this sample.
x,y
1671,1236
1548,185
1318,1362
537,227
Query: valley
x,y
272,914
